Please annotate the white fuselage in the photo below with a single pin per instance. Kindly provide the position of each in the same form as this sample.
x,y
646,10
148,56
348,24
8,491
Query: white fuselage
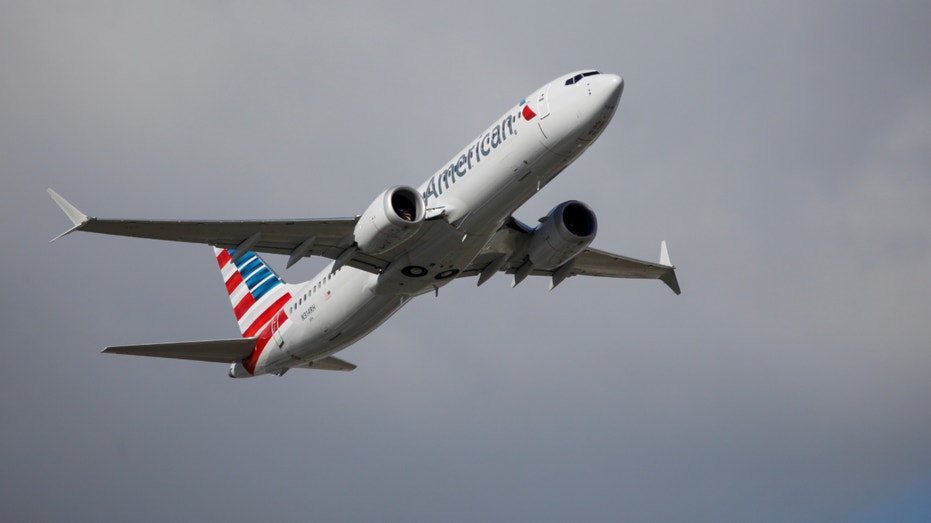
x,y
475,192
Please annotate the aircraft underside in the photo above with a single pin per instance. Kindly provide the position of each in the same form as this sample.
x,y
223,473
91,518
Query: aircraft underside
x,y
458,224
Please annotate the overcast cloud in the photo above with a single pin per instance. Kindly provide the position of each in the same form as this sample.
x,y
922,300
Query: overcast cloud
x,y
782,149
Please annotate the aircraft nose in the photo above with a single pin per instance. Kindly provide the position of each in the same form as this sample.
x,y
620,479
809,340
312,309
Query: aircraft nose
x,y
614,85
581,107
606,89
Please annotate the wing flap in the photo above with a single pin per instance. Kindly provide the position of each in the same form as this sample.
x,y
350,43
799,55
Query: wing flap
x,y
216,351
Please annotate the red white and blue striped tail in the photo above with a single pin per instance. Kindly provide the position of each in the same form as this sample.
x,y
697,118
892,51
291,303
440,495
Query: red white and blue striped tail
x,y
256,292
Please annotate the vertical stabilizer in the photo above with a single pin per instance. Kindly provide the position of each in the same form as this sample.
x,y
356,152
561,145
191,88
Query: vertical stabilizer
x,y
256,293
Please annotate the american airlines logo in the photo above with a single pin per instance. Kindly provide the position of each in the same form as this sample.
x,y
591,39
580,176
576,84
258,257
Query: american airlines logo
x,y
527,112
472,156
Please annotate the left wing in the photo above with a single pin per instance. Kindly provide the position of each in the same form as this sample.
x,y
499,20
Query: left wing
x,y
507,252
330,238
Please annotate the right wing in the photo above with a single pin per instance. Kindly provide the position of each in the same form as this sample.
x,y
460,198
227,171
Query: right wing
x,y
592,262
330,238
507,252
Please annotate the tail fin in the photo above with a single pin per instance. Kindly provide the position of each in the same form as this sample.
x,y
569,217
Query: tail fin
x,y
256,292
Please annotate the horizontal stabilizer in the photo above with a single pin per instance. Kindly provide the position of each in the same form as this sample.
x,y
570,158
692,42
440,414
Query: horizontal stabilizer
x,y
331,363
217,351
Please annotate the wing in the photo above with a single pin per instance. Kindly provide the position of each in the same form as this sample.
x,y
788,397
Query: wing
x,y
217,351
592,262
330,238
506,252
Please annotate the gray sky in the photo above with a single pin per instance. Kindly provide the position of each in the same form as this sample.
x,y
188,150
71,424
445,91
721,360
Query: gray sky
x,y
782,149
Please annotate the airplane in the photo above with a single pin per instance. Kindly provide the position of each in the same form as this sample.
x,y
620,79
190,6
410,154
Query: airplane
x,y
408,242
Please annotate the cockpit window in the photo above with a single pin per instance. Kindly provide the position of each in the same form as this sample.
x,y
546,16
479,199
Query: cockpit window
x,y
578,77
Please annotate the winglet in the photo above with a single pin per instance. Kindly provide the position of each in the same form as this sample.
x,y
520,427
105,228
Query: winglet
x,y
669,278
77,217
664,254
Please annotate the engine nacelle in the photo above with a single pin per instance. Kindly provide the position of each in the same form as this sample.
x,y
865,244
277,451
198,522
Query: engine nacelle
x,y
565,232
393,217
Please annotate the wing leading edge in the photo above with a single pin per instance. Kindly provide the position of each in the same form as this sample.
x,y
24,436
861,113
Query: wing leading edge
x,y
330,238
507,251
333,238
592,262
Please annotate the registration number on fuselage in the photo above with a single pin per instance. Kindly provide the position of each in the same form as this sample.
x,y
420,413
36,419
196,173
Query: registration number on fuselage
x,y
310,310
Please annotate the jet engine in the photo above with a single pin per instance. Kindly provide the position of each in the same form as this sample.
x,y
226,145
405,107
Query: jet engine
x,y
567,230
393,217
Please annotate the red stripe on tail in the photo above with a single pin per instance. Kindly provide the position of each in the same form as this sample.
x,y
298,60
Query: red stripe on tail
x,y
266,316
223,257
260,344
243,306
233,282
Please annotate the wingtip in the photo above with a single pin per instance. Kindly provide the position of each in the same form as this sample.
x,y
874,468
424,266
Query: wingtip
x,y
77,217
670,277
664,254
671,281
